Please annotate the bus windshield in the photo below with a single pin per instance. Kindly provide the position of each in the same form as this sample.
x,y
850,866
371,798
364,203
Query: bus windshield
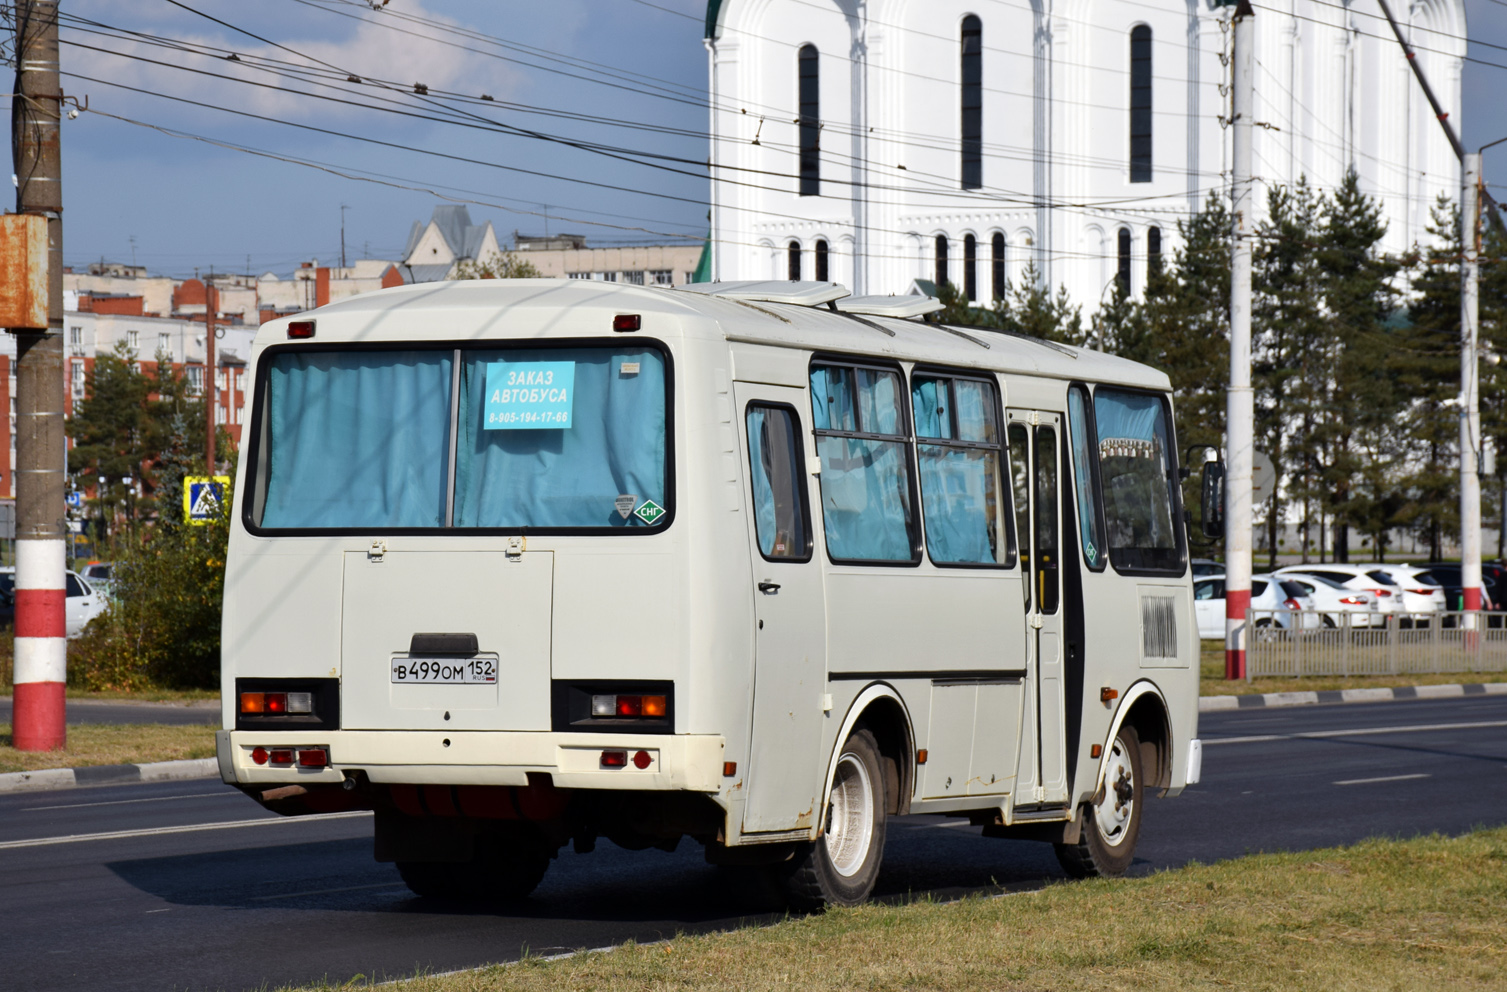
x,y
560,438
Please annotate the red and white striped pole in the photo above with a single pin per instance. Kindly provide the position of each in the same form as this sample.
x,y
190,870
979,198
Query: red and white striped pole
x,y
41,648
41,528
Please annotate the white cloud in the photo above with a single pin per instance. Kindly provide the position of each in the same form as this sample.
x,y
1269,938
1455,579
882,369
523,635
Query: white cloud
x,y
376,46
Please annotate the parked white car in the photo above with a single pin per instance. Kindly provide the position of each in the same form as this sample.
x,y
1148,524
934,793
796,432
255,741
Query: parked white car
x,y
1285,603
1331,600
82,603
1385,581
1421,592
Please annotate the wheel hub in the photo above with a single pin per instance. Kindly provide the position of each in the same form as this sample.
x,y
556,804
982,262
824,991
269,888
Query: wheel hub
x,y
1117,800
850,816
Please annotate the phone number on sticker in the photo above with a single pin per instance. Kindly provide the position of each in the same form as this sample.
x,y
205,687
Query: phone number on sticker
x,y
529,417
449,671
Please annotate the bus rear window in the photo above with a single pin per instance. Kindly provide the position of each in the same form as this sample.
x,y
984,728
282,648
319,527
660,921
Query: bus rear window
x,y
570,461
565,438
355,439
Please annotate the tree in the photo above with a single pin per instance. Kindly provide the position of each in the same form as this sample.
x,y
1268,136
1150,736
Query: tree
x,y
1287,337
498,265
1424,361
113,430
1360,407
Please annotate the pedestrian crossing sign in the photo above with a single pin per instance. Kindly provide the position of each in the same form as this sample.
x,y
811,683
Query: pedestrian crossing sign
x,y
203,497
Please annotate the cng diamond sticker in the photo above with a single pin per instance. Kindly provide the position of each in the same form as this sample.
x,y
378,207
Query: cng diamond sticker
x,y
649,512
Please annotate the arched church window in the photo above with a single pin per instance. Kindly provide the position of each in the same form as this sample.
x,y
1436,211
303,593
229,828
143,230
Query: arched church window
x,y
822,270
1154,250
793,261
1140,104
973,103
1122,272
970,267
941,272
997,264
810,122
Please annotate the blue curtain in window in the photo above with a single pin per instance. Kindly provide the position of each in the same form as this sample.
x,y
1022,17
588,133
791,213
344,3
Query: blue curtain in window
x,y
973,402
928,400
357,439
832,399
1128,416
567,477
956,486
1088,508
763,492
865,499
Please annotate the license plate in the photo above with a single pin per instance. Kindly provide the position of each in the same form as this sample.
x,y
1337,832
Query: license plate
x,y
445,671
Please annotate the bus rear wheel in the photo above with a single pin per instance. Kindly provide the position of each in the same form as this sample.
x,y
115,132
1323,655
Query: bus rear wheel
x,y
509,863
842,865
1106,842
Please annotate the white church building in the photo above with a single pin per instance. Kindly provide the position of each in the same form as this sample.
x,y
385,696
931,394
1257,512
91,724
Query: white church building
x,y
877,142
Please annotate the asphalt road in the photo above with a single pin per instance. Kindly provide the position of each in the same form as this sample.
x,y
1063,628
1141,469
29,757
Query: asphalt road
x,y
102,711
173,904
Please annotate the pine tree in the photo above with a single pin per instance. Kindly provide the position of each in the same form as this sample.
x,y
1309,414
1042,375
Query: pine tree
x,y
1354,441
1030,308
1287,330
1424,362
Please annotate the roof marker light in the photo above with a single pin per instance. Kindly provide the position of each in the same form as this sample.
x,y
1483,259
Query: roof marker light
x,y
299,329
622,322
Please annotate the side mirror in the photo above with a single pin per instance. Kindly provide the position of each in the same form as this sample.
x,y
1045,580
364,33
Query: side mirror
x,y
1212,504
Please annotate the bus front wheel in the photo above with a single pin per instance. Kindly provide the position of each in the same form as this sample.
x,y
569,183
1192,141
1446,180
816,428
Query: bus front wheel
x,y
1111,825
509,863
842,865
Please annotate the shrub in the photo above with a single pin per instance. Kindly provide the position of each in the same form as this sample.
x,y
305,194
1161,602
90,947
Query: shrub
x,y
163,625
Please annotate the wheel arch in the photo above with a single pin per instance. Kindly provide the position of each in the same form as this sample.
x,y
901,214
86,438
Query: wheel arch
x,y
880,710
1144,708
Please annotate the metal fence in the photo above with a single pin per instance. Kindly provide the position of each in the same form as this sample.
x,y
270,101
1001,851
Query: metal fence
x,y
1338,644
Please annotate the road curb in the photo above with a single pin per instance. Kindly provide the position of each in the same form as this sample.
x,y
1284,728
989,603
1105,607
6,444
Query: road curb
x,y
1213,704
71,778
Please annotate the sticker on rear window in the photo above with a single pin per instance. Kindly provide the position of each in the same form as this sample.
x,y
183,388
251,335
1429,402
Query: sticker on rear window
x,y
529,395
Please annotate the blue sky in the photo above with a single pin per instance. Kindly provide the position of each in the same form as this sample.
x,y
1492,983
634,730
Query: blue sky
x,y
176,204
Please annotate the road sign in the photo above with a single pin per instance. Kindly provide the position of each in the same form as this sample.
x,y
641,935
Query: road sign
x,y
202,497
1263,477
75,499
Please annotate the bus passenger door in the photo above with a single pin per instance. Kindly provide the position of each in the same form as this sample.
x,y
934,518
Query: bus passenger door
x,y
1037,478
790,660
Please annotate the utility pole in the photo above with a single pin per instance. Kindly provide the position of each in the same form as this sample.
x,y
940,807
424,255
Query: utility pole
x,y
343,209
1240,402
41,529
1470,386
211,400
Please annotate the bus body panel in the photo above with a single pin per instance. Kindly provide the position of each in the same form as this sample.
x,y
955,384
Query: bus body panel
x,y
951,646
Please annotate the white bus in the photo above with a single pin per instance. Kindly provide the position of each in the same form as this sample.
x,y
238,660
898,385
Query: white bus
x,y
522,563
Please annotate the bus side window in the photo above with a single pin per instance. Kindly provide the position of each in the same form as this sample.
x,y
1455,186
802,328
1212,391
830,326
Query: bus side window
x,y
1084,483
1046,519
1020,486
863,441
779,483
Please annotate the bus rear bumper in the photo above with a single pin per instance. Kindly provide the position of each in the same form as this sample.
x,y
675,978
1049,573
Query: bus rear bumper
x,y
684,762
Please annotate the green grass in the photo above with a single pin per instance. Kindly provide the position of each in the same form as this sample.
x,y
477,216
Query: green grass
x,y
1423,914
111,744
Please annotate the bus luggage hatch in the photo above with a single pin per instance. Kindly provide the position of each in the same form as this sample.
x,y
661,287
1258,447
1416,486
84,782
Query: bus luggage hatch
x,y
446,640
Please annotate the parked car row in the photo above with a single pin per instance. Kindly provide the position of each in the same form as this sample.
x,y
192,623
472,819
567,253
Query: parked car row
x,y
1286,602
1369,593
82,603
